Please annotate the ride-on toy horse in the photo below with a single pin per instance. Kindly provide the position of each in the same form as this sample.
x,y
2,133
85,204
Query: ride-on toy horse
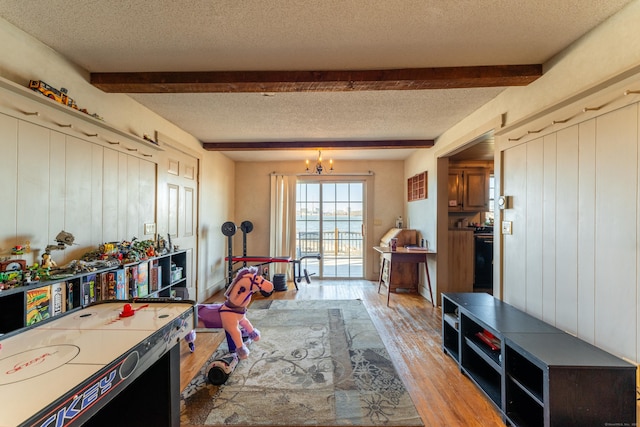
x,y
231,316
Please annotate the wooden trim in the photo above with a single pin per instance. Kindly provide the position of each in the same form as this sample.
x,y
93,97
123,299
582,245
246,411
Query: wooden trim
x,y
305,145
317,81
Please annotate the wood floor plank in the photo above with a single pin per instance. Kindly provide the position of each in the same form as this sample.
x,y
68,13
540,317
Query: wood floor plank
x,y
410,328
190,363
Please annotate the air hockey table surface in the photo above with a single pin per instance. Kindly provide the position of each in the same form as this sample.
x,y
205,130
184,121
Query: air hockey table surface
x,y
61,371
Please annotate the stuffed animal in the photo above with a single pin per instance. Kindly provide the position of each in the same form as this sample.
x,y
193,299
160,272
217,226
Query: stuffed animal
x,y
231,315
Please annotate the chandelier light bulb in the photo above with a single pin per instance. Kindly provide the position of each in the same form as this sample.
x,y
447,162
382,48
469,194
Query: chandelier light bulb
x,y
319,168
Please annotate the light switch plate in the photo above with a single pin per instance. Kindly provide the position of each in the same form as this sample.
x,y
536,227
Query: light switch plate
x,y
506,227
150,228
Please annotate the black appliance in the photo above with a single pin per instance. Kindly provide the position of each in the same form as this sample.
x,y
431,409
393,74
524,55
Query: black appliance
x,y
483,262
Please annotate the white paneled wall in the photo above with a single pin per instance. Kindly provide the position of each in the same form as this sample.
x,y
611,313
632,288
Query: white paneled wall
x,y
54,181
515,245
616,252
586,229
533,228
573,257
566,229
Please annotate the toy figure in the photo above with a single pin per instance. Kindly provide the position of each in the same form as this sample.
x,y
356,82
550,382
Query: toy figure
x,y
47,262
230,315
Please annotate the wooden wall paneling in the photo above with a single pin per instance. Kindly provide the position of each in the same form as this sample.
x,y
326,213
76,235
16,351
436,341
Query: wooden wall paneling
x,y
549,213
586,230
514,245
33,178
56,209
461,255
9,179
97,189
147,195
110,196
78,197
567,230
123,197
616,250
134,227
534,245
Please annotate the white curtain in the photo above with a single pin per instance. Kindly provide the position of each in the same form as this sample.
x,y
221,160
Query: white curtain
x,y
283,222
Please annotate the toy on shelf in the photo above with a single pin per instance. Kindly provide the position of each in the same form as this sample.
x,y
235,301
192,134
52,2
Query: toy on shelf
x,y
63,240
149,139
59,95
51,92
47,262
11,273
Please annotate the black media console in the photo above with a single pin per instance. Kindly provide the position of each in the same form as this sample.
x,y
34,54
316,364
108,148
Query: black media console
x,y
534,373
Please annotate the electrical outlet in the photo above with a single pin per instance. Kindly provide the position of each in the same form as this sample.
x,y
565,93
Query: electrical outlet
x,y
150,228
506,227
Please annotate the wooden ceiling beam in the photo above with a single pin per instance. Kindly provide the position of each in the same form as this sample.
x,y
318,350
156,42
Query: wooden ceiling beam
x,y
317,145
317,81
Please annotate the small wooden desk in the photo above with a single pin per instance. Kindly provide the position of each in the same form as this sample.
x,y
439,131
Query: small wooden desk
x,y
402,254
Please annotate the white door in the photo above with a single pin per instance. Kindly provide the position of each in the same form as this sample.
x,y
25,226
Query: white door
x,y
178,188
329,222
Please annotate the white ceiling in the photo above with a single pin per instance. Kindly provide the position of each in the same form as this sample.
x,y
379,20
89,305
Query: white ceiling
x,y
267,35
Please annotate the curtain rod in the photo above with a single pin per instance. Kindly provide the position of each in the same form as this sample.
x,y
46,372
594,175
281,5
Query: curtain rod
x,y
368,173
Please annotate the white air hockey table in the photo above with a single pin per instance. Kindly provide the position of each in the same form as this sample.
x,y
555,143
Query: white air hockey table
x,y
95,367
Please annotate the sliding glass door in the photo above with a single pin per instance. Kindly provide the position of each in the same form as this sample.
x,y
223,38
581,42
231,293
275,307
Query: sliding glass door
x,y
329,222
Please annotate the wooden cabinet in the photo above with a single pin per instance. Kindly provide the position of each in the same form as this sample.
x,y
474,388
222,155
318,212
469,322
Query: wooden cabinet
x,y
468,189
24,306
534,373
460,265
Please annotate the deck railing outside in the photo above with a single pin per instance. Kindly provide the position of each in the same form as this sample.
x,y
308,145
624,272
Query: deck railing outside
x,y
336,243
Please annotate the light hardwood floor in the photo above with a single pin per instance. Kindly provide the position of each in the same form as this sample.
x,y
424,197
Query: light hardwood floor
x,y
410,329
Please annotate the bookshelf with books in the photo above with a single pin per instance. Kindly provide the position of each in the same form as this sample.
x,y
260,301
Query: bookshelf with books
x,y
36,302
27,305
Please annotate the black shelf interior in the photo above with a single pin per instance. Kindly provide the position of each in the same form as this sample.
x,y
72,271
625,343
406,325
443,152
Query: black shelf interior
x,y
524,374
450,341
12,309
492,357
451,328
488,379
521,409
469,329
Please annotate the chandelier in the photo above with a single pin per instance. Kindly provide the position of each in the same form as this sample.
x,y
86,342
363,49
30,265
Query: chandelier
x,y
319,168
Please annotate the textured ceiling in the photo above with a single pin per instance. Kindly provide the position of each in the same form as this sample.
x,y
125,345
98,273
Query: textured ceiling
x,y
232,35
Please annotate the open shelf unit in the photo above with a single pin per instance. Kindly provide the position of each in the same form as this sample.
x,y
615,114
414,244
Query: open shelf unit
x,y
450,328
172,278
534,373
42,301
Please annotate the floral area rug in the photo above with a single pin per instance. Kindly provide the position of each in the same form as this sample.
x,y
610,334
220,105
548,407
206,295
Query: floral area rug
x,y
318,363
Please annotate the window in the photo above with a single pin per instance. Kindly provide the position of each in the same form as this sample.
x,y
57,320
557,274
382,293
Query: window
x,y
417,187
